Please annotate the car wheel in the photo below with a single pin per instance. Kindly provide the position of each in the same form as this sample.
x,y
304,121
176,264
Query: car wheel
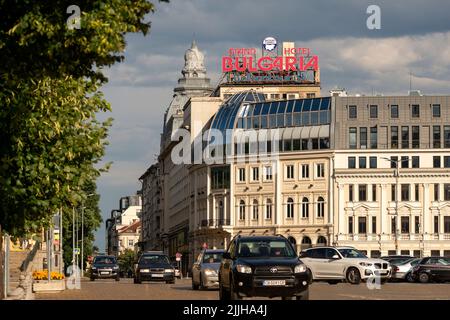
x,y
138,281
92,279
223,294
353,276
303,296
333,281
424,277
287,298
117,278
233,294
194,285
410,278
202,286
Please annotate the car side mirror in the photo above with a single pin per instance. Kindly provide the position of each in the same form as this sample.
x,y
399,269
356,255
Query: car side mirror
x,y
226,255
335,257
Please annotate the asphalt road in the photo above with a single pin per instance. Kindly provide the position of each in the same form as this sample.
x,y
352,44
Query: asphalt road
x,y
181,290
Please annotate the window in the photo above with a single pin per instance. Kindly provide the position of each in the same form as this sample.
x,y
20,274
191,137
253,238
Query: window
x,y
416,192
446,161
305,171
373,138
405,192
416,225
436,110
268,209
362,192
404,224
352,112
268,173
394,137
241,175
362,162
393,192
362,225
415,111
436,161
351,162
446,136
393,227
290,171
415,137
130,243
446,224
405,161
374,225
242,210
350,192
350,225
415,162
320,170
290,208
436,136
394,160
436,191
374,192
436,224
310,95
447,191
255,210
373,162
352,138
320,207
363,137
405,137
255,174
373,111
305,207
394,111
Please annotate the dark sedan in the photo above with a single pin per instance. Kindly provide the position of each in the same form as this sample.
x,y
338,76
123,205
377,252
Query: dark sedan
x,y
154,266
104,267
432,269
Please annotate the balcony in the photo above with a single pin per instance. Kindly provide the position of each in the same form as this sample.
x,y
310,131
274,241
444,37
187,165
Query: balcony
x,y
215,222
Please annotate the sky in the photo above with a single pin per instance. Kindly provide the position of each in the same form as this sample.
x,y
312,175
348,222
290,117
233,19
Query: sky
x,y
413,43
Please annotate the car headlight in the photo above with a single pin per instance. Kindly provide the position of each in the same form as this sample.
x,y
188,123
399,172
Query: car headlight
x,y
94,268
115,267
365,264
300,268
210,272
168,270
243,268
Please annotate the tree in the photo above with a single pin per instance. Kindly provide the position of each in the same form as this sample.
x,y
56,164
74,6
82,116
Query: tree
x,y
126,261
50,75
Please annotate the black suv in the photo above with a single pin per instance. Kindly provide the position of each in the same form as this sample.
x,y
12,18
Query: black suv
x,y
104,267
154,266
265,266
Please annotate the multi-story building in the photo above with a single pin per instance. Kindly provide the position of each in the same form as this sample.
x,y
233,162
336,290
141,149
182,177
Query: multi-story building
x,y
378,208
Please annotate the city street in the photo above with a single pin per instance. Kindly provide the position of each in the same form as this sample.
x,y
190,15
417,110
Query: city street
x,y
181,290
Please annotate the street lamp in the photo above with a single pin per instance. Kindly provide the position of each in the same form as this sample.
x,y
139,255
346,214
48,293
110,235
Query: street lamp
x,y
82,233
397,173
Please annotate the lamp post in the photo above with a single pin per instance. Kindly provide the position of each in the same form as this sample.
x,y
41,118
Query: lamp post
x,y
82,234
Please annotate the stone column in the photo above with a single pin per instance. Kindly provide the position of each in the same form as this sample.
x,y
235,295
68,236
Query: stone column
x,y
341,211
383,214
426,212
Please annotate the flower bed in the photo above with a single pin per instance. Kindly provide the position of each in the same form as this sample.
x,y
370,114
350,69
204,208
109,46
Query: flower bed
x,y
41,285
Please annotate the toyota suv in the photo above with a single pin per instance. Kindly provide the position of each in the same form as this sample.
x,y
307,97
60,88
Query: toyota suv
x,y
154,266
265,266
334,264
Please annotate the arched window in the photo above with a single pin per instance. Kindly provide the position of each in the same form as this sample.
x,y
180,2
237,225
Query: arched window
x,y
255,209
268,209
306,242
320,207
322,241
292,240
290,208
305,207
242,210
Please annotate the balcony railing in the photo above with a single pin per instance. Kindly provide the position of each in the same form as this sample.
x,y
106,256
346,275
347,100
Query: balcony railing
x,y
215,222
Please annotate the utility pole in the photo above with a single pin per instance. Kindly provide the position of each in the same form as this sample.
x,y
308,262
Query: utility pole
x,y
82,233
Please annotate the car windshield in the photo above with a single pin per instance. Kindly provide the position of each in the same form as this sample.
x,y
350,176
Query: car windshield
x,y
105,260
351,253
213,257
265,248
150,259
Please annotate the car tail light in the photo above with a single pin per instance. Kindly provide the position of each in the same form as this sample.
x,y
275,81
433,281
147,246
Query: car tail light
x,y
396,268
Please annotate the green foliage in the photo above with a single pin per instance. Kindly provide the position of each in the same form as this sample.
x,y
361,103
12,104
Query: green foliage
x,y
126,260
50,140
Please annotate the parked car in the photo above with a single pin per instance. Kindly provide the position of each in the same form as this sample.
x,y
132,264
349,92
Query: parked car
x,y
265,266
104,267
154,266
396,259
205,271
335,264
403,271
177,269
432,269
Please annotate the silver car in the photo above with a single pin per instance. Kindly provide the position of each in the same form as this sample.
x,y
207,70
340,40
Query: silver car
x,y
205,271
403,271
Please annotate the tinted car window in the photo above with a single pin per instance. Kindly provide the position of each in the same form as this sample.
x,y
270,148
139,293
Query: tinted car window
x,y
104,260
150,259
265,248
319,253
215,257
351,253
330,253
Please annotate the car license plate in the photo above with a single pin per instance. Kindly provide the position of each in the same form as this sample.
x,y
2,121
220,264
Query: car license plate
x,y
274,282
104,272
157,275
